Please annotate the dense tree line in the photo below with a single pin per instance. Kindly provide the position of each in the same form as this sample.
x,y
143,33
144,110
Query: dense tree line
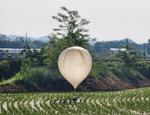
x,y
101,47
19,42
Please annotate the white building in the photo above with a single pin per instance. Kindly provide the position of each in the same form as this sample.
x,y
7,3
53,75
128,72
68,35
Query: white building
x,y
117,49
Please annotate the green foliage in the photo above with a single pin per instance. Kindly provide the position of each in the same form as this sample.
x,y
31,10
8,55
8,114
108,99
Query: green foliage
x,y
35,57
4,67
126,74
71,27
34,76
30,75
144,68
8,68
128,56
99,69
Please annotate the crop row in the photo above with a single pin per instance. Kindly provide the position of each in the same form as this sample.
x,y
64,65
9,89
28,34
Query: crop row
x,y
133,102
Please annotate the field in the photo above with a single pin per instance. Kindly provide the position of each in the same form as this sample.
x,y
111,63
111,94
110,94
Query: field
x,y
130,102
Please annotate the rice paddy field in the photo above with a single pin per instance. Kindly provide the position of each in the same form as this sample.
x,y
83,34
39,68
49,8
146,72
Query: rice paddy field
x,y
129,102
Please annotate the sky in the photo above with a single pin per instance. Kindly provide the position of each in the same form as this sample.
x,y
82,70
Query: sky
x,y
110,19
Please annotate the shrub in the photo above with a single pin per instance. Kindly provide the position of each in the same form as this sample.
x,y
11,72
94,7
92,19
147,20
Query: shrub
x,y
36,74
99,69
144,69
9,68
127,74
41,79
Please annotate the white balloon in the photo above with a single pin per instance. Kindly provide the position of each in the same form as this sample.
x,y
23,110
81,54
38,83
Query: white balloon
x,y
75,64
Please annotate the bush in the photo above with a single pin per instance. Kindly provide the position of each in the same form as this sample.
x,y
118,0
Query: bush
x,y
127,74
144,69
9,68
99,69
41,79
35,74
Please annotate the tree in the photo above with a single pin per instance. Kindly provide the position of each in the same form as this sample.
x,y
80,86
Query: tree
x,y
127,46
71,27
70,32
128,57
148,47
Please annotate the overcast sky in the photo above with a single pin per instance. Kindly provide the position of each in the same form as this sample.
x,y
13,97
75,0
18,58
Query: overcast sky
x,y
110,19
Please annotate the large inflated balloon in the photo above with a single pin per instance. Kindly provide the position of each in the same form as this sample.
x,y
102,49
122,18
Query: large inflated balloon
x,y
75,64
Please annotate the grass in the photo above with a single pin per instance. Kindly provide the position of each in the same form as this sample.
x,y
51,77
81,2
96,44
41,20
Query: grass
x,y
129,102
29,74
11,80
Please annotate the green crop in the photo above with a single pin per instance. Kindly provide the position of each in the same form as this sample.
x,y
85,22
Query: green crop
x,y
130,102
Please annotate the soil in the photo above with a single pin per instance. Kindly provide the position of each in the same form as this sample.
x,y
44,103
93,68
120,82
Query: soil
x,y
111,83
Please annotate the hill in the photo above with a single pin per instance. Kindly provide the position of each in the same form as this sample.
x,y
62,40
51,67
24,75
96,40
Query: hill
x,y
105,45
15,41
